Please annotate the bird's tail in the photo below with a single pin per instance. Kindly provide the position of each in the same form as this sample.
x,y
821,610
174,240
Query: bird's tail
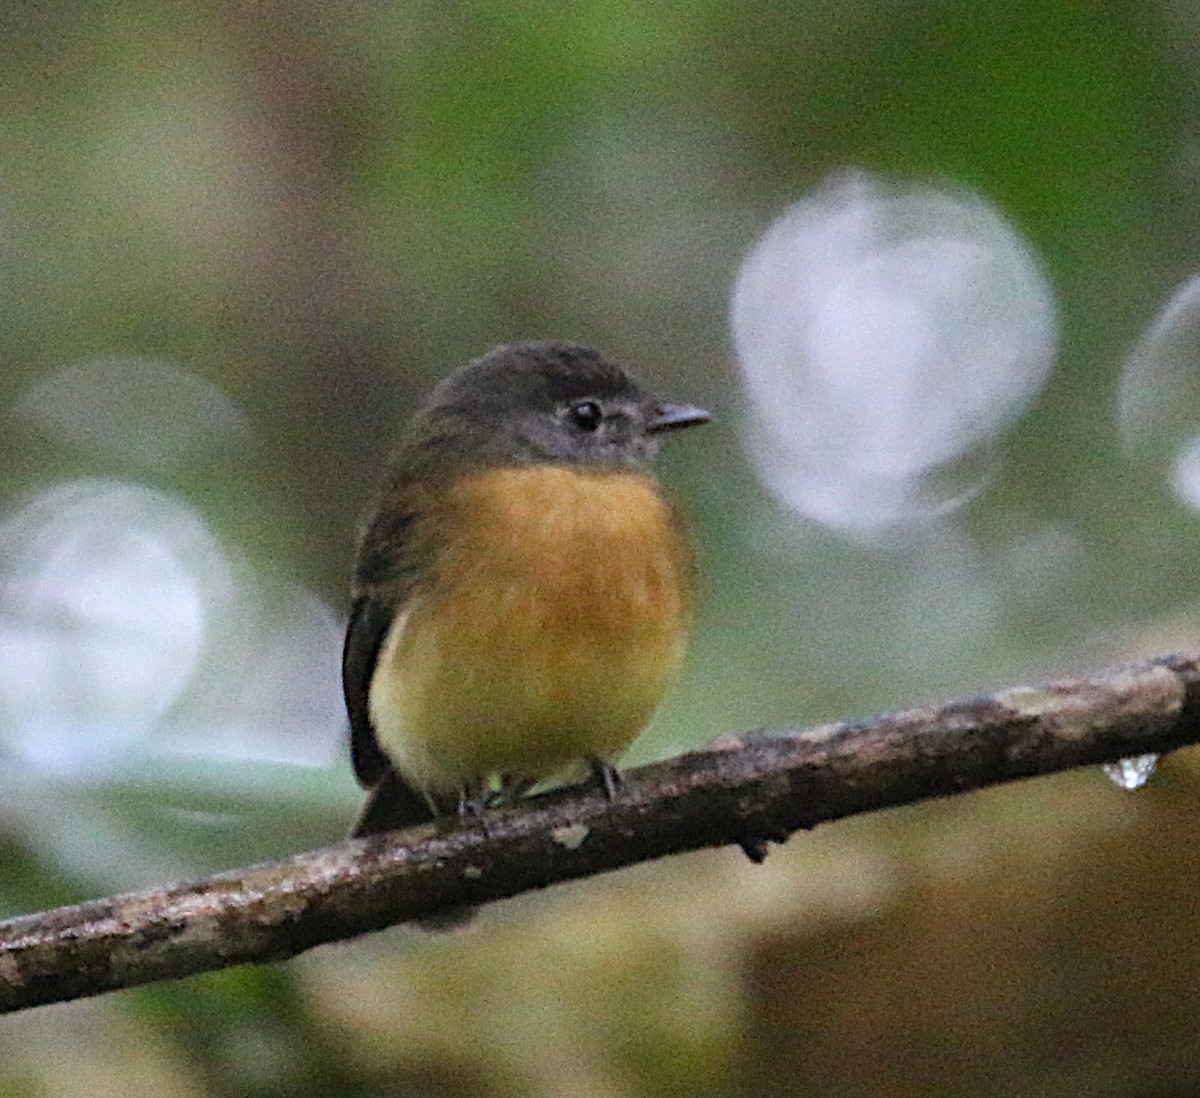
x,y
391,805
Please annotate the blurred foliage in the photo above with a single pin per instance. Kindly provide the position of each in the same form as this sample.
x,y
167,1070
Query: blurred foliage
x,y
318,209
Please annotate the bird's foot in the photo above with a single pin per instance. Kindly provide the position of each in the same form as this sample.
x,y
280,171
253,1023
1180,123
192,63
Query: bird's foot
x,y
512,788
607,776
472,801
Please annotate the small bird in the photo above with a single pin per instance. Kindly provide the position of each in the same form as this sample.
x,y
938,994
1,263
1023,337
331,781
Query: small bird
x,y
522,589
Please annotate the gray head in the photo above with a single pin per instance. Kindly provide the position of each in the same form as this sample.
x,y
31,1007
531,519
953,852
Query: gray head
x,y
547,401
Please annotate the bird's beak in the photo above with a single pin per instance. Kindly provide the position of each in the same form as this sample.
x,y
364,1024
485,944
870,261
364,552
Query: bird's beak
x,y
671,417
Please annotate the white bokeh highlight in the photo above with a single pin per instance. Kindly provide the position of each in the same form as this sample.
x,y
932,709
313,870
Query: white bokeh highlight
x,y
129,631
102,618
145,413
1158,401
886,336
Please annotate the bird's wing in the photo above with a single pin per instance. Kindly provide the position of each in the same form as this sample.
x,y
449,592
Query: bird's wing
x,y
392,802
370,621
385,573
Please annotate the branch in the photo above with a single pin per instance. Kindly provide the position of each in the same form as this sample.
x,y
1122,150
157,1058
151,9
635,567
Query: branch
x,y
742,789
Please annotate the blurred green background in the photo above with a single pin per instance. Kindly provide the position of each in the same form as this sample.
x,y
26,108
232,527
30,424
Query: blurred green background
x,y
238,241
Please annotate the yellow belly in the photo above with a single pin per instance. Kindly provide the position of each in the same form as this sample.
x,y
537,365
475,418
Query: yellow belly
x,y
555,620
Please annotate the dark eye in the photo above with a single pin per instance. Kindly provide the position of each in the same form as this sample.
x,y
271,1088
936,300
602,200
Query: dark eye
x,y
586,415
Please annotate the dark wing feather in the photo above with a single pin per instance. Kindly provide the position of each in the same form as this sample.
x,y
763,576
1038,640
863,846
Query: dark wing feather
x,y
392,802
369,624
384,574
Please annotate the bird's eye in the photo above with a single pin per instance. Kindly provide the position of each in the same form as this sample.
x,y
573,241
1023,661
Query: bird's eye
x,y
586,415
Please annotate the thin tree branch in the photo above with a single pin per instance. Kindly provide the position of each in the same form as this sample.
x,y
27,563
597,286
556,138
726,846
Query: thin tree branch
x,y
742,789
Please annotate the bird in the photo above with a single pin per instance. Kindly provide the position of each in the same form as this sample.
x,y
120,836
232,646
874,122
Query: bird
x,y
522,588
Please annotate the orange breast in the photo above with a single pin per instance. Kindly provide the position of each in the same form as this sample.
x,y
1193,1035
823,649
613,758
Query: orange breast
x,y
555,619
